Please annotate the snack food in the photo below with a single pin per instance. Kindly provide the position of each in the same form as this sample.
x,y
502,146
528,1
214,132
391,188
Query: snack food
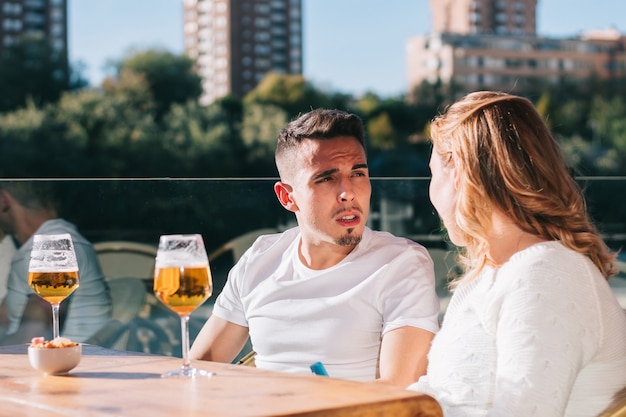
x,y
59,342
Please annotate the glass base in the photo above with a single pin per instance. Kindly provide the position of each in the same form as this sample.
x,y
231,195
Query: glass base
x,y
187,372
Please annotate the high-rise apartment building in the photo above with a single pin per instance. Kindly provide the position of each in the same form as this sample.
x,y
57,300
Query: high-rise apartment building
x,y
235,43
501,17
42,19
504,53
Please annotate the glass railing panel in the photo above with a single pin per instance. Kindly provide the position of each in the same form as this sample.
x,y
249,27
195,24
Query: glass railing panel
x,y
233,211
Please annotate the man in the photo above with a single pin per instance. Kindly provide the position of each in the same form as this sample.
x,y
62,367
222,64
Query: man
x,y
27,208
7,249
331,290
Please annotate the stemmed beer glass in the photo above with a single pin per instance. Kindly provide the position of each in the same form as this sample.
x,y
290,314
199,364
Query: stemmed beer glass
x,y
182,281
53,271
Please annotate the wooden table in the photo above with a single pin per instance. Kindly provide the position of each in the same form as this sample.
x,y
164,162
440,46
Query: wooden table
x,y
115,383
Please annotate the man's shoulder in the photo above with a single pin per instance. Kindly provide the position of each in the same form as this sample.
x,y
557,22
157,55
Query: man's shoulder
x,y
58,226
285,238
377,238
396,249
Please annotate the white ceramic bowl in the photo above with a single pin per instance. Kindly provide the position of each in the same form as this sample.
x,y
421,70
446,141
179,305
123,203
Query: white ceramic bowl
x,y
54,360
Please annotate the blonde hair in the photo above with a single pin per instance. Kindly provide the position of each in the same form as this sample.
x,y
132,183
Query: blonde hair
x,y
508,159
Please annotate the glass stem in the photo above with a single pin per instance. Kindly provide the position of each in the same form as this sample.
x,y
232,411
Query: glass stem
x,y
55,321
184,328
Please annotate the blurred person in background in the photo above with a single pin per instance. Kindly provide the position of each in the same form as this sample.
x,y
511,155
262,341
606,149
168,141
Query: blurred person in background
x,y
28,208
532,328
331,289
7,249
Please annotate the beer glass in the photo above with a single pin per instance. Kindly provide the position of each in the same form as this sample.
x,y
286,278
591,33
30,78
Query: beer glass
x,y
182,281
53,271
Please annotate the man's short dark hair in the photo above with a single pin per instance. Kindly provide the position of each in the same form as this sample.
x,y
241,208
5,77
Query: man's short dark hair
x,y
320,124
35,195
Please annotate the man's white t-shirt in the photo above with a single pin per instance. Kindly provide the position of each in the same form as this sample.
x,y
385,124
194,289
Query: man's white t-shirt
x,y
298,316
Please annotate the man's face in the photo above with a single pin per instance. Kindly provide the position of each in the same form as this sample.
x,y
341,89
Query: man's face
x,y
330,190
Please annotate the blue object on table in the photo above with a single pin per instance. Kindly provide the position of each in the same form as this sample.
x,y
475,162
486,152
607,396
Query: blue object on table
x,y
318,369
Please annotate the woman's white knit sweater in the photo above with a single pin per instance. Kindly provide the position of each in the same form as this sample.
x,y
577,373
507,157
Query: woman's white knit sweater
x,y
542,335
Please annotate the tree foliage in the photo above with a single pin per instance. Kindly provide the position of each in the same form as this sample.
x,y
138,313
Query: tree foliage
x,y
146,121
291,93
381,132
170,78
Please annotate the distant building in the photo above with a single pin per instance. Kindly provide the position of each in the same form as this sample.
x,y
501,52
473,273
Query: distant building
x,y
235,43
502,17
472,48
42,19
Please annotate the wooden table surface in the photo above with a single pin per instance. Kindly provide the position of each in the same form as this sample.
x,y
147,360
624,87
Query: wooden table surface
x,y
115,383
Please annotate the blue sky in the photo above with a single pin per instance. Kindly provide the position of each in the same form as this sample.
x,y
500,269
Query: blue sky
x,y
351,46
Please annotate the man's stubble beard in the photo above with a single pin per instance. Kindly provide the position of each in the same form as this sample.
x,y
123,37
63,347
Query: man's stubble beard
x,y
349,239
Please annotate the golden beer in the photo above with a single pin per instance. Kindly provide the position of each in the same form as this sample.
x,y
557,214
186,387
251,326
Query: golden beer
x,y
53,287
183,289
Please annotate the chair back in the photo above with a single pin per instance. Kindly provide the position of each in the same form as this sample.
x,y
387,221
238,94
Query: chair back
x,y
238,245
128,296
618,407
120,259
129,269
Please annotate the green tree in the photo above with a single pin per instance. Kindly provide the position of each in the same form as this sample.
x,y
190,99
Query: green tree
x,y
432,94
110,125
608,118
543,105
262,123
260,127
206,139
570,117
381,132
34,143
171,78
292,93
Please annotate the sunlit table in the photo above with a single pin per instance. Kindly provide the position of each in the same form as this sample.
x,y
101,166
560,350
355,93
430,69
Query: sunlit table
x,y
109,382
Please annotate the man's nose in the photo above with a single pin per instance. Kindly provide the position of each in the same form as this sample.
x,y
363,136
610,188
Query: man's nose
x,y
346,193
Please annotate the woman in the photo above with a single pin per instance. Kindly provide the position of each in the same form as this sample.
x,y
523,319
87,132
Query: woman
x,y
533,328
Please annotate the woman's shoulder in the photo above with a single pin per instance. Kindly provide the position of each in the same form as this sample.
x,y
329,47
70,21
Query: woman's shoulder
x,y
549,254
550,264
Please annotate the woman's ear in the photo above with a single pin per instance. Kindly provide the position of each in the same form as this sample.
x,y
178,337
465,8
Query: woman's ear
x,y
456,171
283,192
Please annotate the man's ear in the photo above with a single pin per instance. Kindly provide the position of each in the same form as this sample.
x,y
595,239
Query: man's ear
x,y
283,192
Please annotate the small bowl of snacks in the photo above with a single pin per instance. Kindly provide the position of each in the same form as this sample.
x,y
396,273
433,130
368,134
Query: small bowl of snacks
x,y
58,356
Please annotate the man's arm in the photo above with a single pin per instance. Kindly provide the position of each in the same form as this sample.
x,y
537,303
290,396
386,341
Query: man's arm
x,y
36,321
219,341
403,355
